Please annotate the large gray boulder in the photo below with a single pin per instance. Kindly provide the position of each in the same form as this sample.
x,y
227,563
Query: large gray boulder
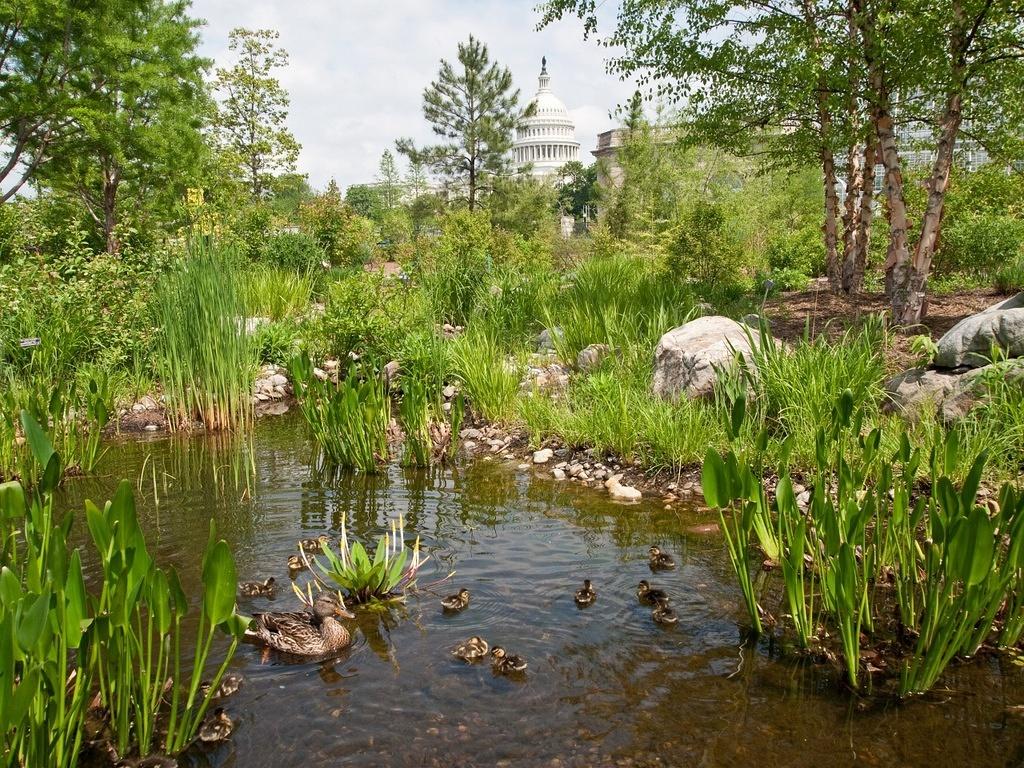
x,y
950,395
970,341
687,358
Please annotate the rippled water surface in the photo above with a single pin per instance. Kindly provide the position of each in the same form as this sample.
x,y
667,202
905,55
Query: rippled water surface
x,y
605,685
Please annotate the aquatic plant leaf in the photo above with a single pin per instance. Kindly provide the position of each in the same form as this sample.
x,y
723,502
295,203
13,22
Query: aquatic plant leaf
x,y
37,439
220,582
33,621
969,491
74,602
713,480
975,548
12,500
24,695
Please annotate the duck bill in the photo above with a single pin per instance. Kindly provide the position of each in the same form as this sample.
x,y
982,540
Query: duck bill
x,y
345,613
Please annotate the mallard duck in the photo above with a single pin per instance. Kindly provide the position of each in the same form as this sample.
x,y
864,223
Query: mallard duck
x,y
456,602
217,727
473,649
506,663
296,565
305,633
258,588
587,595
229,685
315,545
648,594
659,560
663,613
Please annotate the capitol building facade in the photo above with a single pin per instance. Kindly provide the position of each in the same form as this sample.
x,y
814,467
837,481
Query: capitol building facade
x,y
547,140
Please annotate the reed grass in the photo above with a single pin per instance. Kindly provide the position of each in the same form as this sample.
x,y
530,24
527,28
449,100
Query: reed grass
x,y
489,375
204,356
277,293
350,420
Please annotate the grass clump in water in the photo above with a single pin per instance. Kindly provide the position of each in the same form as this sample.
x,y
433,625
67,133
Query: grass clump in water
x,y
350,420
204,356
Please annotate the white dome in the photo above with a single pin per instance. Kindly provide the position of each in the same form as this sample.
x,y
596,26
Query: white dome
x,y
549,105
546,140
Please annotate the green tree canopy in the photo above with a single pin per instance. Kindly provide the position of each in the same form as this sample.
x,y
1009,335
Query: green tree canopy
x,y
252,117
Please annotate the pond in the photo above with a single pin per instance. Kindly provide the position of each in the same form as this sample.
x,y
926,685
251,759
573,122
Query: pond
x,y
606,686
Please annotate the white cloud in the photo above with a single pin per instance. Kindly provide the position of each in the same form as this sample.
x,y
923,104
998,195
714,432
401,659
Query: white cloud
x,y
358,68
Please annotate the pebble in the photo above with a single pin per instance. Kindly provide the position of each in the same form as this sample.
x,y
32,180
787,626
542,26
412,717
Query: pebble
x,y
151,427
543,456
558,474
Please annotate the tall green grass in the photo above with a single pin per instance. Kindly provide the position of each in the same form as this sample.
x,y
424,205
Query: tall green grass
x,y
350,420
203,355
277,293
489,375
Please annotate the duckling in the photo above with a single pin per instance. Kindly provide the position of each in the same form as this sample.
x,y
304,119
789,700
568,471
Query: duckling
x,y
647,594
456,602
296,565
473,649
505,663
229,685
660,561
316,545
217,727
663,613
258,588
585,596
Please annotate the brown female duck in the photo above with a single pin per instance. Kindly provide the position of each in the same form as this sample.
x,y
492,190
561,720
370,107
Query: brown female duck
x,y
305,633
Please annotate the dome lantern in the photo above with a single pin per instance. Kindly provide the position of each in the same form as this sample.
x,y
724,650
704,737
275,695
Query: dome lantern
x,y
546,140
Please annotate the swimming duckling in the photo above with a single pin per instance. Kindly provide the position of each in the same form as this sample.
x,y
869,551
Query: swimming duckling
x,y
585,596
217,727
663,613
456,602
258,588
229,685
473,649
648,594
316,545
296,565
659,560
505,663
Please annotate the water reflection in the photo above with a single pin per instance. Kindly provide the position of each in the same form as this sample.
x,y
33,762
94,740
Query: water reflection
x,y
606,686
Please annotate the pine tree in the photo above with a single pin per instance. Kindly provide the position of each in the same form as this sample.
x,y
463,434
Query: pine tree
x,y
475,110
389,181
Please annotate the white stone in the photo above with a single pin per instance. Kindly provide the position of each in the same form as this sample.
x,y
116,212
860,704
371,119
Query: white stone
x,y
558,474
624,492
278,380
543,456
448,392
687,358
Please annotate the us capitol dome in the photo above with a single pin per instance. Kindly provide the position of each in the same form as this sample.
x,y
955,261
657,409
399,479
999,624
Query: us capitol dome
x,y
547,140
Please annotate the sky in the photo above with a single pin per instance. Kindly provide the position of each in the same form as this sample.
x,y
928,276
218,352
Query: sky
x,y
357,68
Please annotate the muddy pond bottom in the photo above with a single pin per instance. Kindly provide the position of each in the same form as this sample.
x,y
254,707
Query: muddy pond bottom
x,y
605,685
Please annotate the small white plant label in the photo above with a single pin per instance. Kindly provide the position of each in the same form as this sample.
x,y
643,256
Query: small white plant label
x,y
26,343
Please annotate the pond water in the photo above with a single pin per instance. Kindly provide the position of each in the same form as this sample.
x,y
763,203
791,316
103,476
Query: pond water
x,y
606,686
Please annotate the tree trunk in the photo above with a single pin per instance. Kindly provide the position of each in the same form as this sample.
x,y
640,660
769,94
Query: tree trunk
x,y
472,185
851,214
111,181
854,282
897,259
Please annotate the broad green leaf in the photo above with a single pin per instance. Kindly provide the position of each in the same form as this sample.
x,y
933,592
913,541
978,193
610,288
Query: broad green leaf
x,y
12,500
38,442
220,583
713,480
74,602
32,622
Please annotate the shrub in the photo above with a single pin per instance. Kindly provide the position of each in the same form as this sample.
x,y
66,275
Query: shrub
x,y
276,342
454,272
797,251
345,237
981,242
366,313
701,248
1010,276
294,250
